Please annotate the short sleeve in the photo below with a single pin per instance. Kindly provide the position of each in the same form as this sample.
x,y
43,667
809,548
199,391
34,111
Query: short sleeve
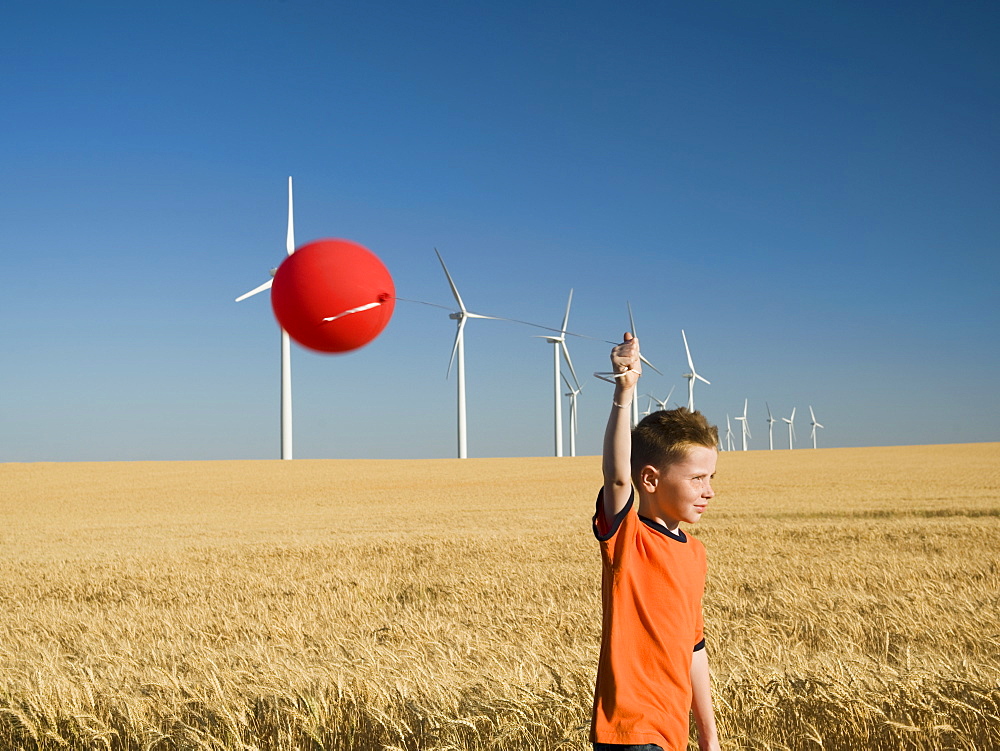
x,y
604,529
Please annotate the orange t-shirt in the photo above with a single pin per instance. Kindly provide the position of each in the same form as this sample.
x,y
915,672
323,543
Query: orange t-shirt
x,y
651,591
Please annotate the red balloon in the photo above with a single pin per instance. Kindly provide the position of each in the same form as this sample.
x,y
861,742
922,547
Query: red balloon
x,y
337,280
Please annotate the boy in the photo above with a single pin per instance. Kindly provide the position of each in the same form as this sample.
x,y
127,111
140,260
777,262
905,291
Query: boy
x,y
653,668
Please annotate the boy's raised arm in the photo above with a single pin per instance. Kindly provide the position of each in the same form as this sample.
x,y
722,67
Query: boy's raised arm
x,y
617,465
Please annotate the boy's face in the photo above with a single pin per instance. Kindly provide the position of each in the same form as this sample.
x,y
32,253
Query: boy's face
x,y
684,488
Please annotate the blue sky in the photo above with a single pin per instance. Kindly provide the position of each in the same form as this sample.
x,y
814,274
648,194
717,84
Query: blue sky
x,y
810,190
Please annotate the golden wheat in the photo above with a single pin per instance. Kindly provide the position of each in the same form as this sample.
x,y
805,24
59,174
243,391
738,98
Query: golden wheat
x,y
852,602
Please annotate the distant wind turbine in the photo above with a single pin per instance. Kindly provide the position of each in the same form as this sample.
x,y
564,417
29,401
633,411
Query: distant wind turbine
x,y
729,435
461,315
560,350
286,355
693,375
635,403
573,393
770,427
663,404
669,394
746,424
791,427
814,425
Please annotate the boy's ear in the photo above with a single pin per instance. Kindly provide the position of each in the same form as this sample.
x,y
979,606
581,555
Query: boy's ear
x,y
649,478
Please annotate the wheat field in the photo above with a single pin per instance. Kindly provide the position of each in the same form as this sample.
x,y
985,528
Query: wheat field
x,y
853,602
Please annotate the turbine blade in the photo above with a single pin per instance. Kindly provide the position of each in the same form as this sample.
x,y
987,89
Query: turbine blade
x,y
655,369
261,288
669,395
566,317
458,340
703,379
290,239
451,282
565,351
631,321
811,413
688,350
768,410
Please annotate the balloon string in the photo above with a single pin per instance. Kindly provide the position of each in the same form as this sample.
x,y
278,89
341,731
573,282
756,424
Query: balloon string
x,y
514,320
360,308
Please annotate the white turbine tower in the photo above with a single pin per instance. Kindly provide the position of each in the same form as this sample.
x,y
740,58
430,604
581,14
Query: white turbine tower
x,y
746,425
461,315
286,355
560,350
692,375
770,427
635,402
791,427
814,425
573,393
729,435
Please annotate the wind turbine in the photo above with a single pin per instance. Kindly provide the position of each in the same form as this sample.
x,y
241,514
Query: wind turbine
x,y
663,404
791,427
561,350
729,435
286,353
635,403
692,375
814,425
746,426
770,427
669,394
461,315
573,393
649,405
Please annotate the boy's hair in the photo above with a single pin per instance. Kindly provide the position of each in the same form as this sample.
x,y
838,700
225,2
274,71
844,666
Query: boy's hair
x,y
664,437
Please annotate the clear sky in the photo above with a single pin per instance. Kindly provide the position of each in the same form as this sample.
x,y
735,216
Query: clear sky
x,y
810,190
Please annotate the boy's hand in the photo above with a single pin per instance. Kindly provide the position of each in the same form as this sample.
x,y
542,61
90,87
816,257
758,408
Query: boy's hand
x,y
625,362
